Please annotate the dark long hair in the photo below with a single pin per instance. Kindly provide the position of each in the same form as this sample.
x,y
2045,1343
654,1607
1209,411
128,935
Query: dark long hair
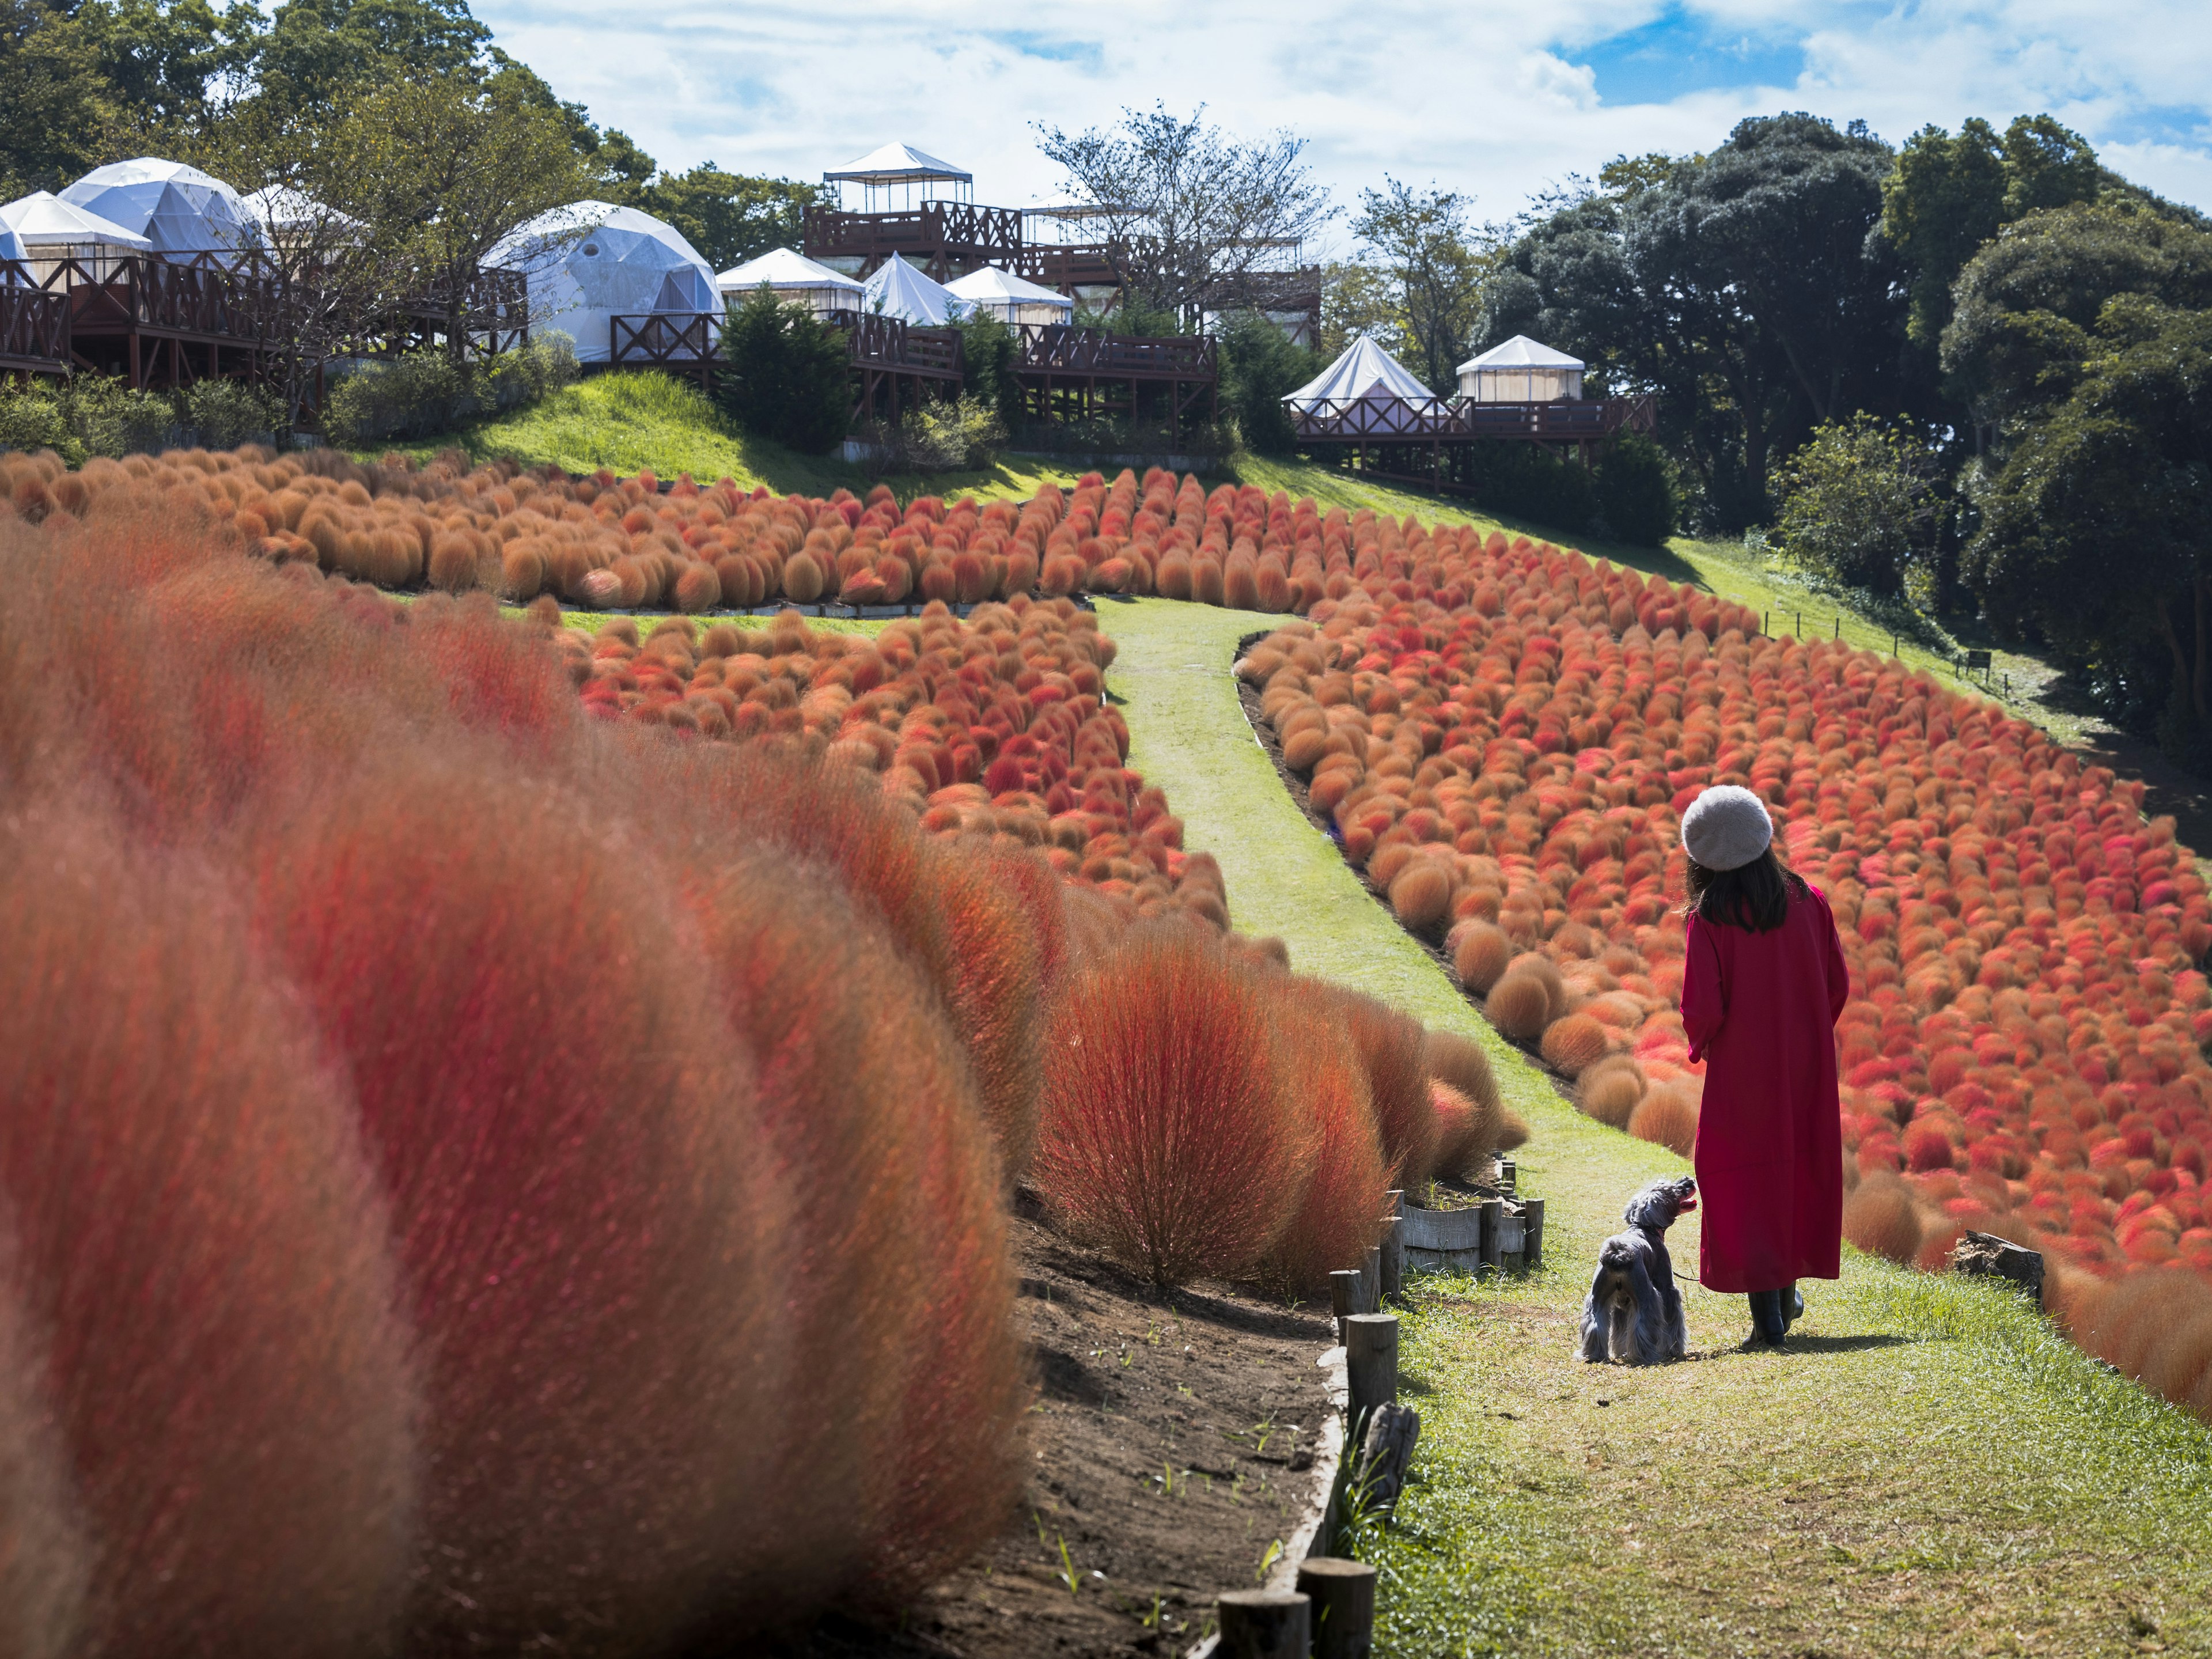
x,y
1756,895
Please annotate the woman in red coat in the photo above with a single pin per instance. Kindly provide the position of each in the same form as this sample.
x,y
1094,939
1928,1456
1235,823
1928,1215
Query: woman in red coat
x,y
1762,986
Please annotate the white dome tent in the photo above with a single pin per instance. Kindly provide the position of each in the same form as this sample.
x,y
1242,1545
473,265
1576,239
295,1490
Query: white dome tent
x,y
1010,298
897,289
1520,371
178,209
591,262
792,277
1365,391
13,255
288,217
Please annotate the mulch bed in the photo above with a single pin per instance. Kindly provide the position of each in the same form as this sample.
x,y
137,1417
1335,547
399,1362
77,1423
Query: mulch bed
x,y
1173,1442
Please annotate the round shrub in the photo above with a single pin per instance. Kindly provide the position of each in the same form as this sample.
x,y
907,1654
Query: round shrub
x,y
1480,957
1666,1117
1558,999
1459,1061
1393,1049
1928,1147
1519,1005
1880,1217
1610,1091
1421,895
1574,1044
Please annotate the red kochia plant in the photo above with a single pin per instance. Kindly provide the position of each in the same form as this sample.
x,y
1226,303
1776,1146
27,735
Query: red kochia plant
x,y
1393,1047
1168,1138
1339,1211
199,1246
567,1128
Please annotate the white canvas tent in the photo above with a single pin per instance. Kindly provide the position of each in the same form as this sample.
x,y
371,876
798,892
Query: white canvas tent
x,y
591,262
51,230
793,277
1520,371
897,289
13,252
1010,298
1367,389
898,176
178,208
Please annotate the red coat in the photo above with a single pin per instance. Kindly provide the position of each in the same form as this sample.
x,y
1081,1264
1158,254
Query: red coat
x,y
1760,1009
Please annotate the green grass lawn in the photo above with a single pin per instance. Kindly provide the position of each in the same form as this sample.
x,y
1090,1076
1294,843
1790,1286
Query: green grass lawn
x,y
1932,1471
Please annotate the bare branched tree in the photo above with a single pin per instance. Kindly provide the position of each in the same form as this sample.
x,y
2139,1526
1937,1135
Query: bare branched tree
x,y
1192,219
1431,267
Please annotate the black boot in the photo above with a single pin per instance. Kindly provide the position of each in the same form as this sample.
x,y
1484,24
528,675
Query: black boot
x,y
1767,1329
1793,1306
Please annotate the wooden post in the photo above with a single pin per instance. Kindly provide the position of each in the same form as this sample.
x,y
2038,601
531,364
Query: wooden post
x,y
1262,1624
1493,1216
1344,1296
1370,1280
1508,1174
1394,1255
1370,1347
1343,1596
1533,1247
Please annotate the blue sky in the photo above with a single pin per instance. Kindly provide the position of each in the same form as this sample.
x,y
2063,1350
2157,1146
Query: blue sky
x,y
1497,98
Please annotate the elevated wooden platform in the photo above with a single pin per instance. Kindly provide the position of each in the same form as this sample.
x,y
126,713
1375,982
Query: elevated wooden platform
x,y
160,321
943,239
896,365
494,315
1433,422
681,343
1077,373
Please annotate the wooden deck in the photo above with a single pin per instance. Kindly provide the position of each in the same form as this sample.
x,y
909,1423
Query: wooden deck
x,y
897,364
1079,373
941,239
159,321
1430,421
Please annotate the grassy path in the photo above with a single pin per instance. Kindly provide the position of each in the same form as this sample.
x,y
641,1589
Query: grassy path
x,y
1932,1471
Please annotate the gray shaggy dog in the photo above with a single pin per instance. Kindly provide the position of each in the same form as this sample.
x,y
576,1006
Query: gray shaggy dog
x,y
1634,1314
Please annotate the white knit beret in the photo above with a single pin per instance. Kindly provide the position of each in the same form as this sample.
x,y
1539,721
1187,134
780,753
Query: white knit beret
x,y
1726,828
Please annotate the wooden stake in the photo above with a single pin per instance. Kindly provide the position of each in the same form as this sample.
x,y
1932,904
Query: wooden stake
x,y
1392,1256
1493,1218
1261,1624
1344,1296
1533,1244
1370,1352
1370,1280
1343,1595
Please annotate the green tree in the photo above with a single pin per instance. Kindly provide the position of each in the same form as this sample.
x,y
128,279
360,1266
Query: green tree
x,y
1432,272
730,217
1356,299
59,107
317,50
1861,507
172,64
791,376
455,163
1259,366
1635,491
990,352
2092,534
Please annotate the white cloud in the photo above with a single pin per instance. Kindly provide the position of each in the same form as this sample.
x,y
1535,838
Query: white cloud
x,y
1491,96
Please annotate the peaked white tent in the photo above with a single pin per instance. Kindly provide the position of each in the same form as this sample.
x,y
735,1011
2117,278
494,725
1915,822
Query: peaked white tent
x,y
178,208
50,230
590,262
1520,371
903,170
1010,298
1387,397
792,277
897,289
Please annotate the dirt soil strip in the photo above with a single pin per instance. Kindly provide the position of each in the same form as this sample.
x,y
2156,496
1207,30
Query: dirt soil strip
x,y
1173,1442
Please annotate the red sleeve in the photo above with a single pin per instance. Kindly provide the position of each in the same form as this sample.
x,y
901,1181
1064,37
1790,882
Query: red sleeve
x,y
1705,998
1840,972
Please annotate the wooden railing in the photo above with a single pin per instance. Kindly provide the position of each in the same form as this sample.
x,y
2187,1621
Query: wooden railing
x,y
1424,420
1059,348
932,228
110,294
34,330
660,337
494,313
889,342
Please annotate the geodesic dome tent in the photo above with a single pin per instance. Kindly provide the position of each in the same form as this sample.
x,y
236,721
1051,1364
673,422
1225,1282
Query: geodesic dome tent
x,y
285,214
897,289
1520,371
792,277
1365,390
178,209
591,262
1010,298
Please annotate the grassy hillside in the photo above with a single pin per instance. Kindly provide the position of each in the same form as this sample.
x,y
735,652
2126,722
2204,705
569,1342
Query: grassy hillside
x,y
1931,1470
